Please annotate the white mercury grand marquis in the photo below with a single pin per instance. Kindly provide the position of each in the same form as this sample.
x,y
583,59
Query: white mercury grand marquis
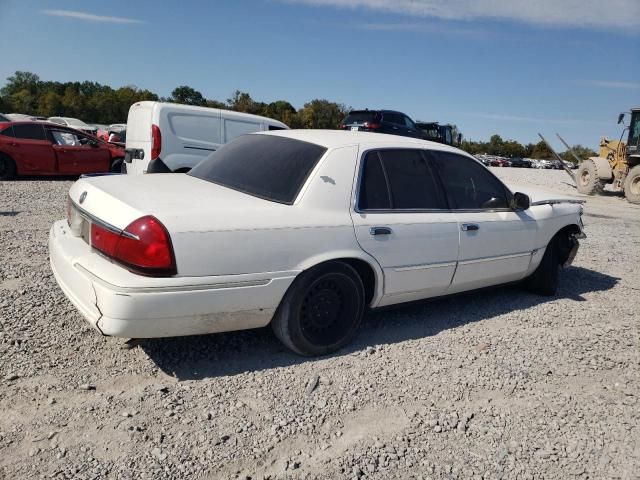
x,y
304,230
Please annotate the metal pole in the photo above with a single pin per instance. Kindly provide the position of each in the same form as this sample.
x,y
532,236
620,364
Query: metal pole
x,y
569,149
566,169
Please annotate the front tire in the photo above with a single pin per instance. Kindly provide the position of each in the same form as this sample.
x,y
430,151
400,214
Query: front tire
x,y
632,185
7,168
587,179
322,310
544,280
116,166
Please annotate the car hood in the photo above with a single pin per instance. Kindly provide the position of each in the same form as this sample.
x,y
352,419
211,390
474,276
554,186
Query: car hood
x,y
181,202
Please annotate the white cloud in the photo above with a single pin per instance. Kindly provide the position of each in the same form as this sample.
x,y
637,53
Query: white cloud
x,y
575,13
611,84
89,17
423,27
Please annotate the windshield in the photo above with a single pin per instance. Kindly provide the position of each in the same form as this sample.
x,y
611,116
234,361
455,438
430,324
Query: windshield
x,y
634,129
270,167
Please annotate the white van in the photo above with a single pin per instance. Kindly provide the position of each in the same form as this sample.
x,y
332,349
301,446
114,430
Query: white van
x,y
169,137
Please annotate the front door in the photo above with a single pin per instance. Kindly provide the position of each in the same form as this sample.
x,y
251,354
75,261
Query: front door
x,y
496,242
77,153
401,220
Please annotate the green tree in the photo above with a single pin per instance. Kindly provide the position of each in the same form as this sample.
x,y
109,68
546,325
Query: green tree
x,y
580,151
281,110
321,113
540,150
50,105
187,96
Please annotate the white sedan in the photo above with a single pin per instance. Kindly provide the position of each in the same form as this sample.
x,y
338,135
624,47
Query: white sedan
x,y
305,230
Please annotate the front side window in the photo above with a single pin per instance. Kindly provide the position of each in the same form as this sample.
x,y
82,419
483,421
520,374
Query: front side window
x,y
399,179
468,184
65,138
29,131
408,122
266,166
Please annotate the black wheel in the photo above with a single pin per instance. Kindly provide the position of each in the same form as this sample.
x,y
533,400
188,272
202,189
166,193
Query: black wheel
x,y
116,166
587,179
544,280
7,168
321,311
632,185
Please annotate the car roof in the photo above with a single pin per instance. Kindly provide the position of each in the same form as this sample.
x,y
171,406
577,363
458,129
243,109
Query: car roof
x,y
340,138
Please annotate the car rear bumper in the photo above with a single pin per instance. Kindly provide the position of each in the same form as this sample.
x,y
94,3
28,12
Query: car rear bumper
x,y
198,305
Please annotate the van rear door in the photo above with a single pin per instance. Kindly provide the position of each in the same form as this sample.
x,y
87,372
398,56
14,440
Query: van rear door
x,y
138,146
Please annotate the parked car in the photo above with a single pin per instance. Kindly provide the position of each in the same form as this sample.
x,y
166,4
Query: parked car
x,y
303,229
381,121
499,162
42,148
518,162
115,133
545,164
168,137
20,117
74,123
3,118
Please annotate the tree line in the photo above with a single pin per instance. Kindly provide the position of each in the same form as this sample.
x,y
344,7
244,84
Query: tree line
x,y
25,92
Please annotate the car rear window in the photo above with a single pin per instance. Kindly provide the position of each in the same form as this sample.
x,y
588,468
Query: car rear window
x,y
265,166
359,118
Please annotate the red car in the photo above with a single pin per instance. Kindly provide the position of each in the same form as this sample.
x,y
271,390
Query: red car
x,y
41,148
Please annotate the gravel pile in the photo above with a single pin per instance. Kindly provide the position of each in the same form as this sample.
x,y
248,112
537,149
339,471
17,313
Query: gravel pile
x,y
498,384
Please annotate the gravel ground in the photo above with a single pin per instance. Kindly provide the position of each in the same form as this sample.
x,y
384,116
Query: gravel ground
x,y
498,384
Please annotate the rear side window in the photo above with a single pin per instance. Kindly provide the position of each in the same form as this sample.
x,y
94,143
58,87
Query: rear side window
x,y
198,128
360,118
400,179
469,185
265,166
29,131
7,132
393,118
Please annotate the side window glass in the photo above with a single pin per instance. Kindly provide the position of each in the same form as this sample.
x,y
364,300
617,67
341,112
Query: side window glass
x,y
408,122
392,118
411,180
29,131
7,132
65,138
469,185
374,193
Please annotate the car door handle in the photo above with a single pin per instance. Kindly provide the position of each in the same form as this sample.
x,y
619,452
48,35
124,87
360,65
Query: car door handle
x,y
470,227
380,231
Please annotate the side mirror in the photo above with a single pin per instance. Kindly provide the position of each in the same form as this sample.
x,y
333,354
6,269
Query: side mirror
x,y
520,201
620,118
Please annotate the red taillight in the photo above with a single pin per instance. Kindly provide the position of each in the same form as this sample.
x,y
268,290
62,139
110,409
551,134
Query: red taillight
x,y
156,142
144,246
372,126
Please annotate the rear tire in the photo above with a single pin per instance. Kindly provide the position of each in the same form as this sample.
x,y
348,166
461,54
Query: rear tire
x,y
7,167
587,179
544,280
632,185
322,310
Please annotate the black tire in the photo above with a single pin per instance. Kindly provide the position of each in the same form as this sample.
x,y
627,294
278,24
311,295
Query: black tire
x,y
116,166
544,280
632,185
322,310
587,179
7,167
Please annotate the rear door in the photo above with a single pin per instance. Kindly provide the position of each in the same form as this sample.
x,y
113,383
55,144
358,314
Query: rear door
x,y
78,153
138,143
31,150
402,221
496,242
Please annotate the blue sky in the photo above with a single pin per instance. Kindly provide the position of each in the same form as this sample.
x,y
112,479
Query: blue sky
x,y
512,67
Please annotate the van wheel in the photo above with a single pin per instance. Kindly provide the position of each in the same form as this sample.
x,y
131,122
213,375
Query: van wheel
x,y
116,166
322,310
7,167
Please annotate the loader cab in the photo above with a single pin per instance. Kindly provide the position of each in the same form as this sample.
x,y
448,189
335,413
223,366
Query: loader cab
x,y
633,142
